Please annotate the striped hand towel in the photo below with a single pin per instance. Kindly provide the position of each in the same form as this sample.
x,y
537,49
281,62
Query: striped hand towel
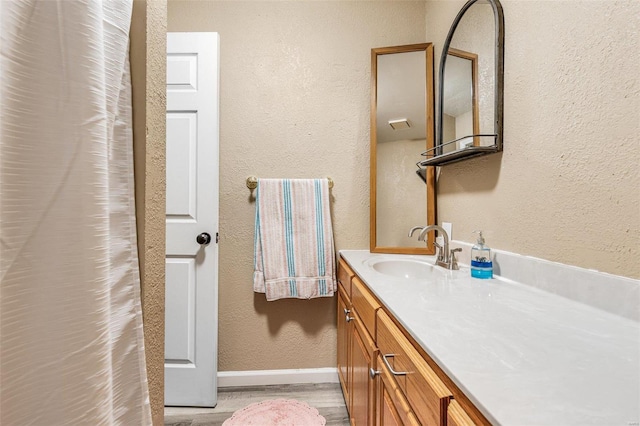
x,y
294,255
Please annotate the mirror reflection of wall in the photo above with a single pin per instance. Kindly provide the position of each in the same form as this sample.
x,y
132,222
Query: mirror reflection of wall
x,y
475,35
401,194
461,113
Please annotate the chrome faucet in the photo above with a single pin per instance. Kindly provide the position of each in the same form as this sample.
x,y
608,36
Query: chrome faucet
x,y
446,258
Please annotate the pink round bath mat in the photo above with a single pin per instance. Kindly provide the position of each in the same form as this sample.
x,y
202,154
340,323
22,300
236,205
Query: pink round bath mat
x,y
276,412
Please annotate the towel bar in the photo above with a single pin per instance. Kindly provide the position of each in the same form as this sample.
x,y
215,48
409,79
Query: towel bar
x,y
252,182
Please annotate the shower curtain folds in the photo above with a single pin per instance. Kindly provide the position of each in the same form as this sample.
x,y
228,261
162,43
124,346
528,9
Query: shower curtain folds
x,y
71,337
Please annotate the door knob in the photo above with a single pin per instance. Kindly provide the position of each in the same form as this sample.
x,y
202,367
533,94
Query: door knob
x,y
203,239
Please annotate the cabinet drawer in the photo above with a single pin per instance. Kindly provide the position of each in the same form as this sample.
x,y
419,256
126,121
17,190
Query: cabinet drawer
x,y
426,393
456,416
364,304
393,408
344,277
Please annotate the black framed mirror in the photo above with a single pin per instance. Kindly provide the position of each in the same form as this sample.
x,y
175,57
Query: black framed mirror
x,y
469,115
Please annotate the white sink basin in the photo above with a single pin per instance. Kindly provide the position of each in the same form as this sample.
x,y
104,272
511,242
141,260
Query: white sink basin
x,y
403,268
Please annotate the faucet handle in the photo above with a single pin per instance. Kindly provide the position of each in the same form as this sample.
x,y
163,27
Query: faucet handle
x,y
440,250
453,261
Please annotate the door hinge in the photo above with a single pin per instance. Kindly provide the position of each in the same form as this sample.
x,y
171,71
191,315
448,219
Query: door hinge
x,y
217,238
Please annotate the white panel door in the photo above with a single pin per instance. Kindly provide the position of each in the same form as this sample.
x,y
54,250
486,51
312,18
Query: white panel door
x,y
191,302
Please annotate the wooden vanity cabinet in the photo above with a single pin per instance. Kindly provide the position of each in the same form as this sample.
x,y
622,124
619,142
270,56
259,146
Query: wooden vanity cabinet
x,y
344,339
407,389
356,346
344,326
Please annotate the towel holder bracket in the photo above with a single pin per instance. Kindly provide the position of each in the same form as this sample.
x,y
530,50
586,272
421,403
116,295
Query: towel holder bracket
x,y
252,182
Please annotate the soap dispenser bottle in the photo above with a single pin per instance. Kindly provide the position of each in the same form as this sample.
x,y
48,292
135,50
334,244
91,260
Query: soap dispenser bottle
x,y
481,264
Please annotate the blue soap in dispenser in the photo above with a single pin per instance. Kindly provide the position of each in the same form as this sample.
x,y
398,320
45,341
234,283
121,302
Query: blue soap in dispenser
x,y
481,264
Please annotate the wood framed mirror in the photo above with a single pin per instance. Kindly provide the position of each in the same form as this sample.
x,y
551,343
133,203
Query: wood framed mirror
x,y
460,116
402,127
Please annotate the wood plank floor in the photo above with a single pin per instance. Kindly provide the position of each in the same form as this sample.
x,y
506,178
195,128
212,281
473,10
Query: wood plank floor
x,y
325,397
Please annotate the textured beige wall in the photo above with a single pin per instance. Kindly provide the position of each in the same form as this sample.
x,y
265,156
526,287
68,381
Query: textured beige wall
x,y
567,186
294,103
148,64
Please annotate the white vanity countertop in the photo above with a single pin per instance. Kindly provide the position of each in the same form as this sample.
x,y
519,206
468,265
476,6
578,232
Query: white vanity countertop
x,y
523,356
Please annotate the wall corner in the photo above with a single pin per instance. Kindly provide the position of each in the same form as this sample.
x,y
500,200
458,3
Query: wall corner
x,y
148,78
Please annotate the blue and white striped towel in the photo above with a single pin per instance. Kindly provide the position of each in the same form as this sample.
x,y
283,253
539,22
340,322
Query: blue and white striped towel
x,y
294,254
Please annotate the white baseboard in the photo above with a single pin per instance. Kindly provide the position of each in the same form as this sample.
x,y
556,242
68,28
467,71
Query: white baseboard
x,y
277,377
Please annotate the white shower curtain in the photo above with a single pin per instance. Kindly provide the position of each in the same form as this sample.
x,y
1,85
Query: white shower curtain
x,y
71,340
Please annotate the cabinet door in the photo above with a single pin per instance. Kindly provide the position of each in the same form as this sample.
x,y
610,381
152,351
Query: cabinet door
x,y
425,391
363,352
344,335
388,414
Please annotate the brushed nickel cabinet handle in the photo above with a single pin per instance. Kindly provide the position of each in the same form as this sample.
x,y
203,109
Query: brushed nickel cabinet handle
x,y
394,372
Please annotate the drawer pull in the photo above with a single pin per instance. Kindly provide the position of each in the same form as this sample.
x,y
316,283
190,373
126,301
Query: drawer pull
x,y
395,373
348,318
347,311
373,373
